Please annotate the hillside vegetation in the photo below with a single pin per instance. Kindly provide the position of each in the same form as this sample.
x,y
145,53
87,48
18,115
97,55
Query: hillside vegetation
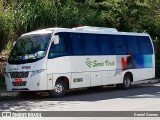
x,y
20,16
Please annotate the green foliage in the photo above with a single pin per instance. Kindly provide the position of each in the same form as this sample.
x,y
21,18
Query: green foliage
x,y
77,14
4,26
29,15
20,16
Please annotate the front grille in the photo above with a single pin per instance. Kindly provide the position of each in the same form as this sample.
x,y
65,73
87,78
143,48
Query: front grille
x,y
19,74
19,83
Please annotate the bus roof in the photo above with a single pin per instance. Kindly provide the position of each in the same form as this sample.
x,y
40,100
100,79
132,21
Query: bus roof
x,y
86,29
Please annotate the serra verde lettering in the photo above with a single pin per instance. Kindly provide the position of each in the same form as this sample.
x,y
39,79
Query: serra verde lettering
x,y
94,63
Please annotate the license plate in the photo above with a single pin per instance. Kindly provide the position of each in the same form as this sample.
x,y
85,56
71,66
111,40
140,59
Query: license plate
x,y
18,79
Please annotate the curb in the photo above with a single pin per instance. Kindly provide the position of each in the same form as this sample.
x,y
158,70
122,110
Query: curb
x,y
5,95
146,81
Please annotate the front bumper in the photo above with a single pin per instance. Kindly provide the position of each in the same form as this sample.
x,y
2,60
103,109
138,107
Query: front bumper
x,y
27,84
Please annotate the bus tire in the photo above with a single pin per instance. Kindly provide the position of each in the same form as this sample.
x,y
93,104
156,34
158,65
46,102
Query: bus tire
x,y
60,89
126,82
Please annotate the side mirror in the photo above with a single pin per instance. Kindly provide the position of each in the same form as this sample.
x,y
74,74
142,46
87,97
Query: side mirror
x,y
56,39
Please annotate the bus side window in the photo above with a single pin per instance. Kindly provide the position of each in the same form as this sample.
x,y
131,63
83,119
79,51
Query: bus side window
x,y
58,49
76,44
91,46
120,45
61,47
132,42
106,45
145,45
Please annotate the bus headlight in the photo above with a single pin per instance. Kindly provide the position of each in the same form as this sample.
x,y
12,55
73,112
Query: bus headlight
x,y
37,72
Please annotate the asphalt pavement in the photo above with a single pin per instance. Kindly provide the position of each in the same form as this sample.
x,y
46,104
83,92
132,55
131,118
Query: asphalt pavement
x,y
144,97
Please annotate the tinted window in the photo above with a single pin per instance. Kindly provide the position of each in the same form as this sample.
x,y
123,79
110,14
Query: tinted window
x,y
132,42
120,45
94,44
76,44
90,44
106,45
61,47
145,45
58,49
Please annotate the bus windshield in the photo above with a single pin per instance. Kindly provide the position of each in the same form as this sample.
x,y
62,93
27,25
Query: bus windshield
x,y
30,47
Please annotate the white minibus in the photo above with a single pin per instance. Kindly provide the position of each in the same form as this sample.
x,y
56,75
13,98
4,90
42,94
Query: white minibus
x,y
60,59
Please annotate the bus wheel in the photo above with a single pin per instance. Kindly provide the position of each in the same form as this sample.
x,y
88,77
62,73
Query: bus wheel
x,y
60,89
126,82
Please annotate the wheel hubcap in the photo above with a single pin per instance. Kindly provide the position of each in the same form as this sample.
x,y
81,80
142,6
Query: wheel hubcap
x,y
127,82
58,88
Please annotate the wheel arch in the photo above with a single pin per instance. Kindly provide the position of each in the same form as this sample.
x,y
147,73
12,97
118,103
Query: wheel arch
x,y
65,79
129,74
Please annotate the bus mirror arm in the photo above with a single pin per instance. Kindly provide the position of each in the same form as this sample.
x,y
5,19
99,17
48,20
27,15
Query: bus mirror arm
x,y
14,43
55,39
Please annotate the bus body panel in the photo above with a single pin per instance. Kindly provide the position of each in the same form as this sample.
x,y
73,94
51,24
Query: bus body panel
x,y
80,79
52,77
87,71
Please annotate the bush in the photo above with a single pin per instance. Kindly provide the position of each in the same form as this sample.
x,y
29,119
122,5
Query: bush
x,y
2,82
157,69
3,30
5,25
